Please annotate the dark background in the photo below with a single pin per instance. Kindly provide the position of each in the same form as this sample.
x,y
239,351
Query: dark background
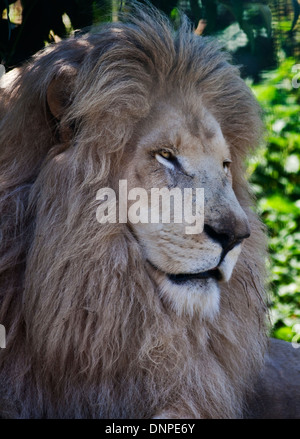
x,y
254,30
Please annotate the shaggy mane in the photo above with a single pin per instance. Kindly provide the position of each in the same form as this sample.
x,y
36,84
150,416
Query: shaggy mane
x,y
87,335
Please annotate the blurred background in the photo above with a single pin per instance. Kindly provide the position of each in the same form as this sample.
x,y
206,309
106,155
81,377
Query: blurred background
x,y
264,39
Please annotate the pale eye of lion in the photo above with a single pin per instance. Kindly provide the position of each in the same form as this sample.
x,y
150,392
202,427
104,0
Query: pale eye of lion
x,y
165,158
166,154
226,165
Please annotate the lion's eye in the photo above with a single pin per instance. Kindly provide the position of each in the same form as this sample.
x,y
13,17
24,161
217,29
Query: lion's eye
x,y
166,158
166,154
226,165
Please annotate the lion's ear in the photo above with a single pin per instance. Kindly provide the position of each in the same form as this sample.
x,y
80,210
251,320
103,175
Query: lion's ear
x,y
60,90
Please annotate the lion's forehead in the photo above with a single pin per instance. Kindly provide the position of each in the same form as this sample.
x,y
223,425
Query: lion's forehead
x,y
190,132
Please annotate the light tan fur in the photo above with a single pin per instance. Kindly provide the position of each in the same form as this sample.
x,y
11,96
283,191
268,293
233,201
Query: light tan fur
x,y
93,330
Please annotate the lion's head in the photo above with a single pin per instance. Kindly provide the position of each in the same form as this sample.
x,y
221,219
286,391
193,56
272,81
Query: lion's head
x,y
180,145
128,319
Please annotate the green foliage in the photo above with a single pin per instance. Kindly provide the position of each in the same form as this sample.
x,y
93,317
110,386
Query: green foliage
x,y
276,181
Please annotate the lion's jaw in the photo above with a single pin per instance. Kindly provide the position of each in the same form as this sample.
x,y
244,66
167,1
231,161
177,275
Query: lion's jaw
x,y
192,296
188,268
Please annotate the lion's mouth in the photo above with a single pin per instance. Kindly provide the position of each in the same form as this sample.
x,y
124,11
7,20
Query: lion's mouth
x,y
220,273
181,278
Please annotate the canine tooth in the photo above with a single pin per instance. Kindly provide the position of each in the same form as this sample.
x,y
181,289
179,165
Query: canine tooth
x,y
228,263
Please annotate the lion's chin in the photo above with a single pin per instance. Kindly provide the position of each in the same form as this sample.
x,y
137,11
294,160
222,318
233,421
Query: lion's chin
x,y
194,296
196,293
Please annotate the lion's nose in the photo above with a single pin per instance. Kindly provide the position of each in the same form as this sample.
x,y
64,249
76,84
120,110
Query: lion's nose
x,y
228,237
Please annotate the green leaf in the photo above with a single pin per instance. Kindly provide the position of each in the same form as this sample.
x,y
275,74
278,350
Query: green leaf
x,y
284,333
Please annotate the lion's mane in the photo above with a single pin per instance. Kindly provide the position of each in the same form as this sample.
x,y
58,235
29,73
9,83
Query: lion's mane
x,y
87,335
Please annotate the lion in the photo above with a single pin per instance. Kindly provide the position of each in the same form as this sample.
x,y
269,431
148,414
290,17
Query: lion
x,y
124,320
